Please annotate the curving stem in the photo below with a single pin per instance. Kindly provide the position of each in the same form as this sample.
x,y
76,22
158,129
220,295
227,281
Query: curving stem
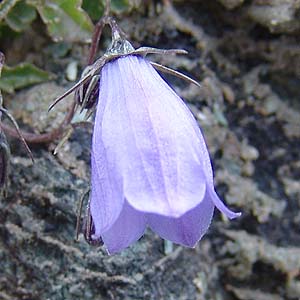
x,y
45,138
98,32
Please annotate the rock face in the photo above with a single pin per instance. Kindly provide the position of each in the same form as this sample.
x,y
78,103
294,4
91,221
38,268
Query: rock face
x,y
277,15
247,57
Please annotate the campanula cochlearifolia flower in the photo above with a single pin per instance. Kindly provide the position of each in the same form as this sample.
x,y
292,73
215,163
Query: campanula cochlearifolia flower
x,y
150,164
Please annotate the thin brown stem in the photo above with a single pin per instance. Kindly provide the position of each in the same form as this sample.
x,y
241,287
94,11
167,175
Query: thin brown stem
x,y
95,40
33,138
98,32
17,129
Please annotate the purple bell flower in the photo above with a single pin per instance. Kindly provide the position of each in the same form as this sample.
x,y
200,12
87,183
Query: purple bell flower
x,y
150,164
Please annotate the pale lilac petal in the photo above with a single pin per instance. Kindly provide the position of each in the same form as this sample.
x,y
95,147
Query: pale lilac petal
x,y
221,206
186,117
129,227
199,142
151,140
107,196
188,229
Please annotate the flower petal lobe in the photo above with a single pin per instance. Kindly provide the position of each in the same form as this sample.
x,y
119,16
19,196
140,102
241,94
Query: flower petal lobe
x,y
188,229
129,227
152,141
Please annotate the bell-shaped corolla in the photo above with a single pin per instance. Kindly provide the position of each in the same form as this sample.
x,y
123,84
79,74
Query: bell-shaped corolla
x,y
150,163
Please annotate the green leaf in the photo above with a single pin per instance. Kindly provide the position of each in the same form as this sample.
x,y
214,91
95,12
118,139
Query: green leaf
x,y
22,75
20,16
95,8
65,20
119,6
7,32
5,7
